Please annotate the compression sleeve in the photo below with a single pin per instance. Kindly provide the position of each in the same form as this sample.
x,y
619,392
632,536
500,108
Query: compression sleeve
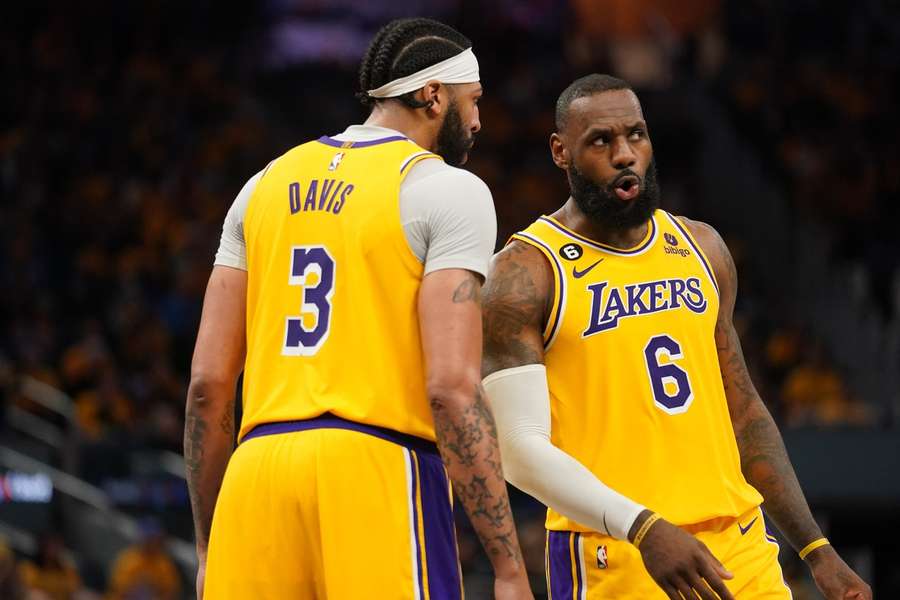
x,y
520,400
232,250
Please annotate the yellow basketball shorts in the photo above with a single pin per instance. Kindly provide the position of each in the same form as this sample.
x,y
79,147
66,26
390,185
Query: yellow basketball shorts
x,y
588,566
329,508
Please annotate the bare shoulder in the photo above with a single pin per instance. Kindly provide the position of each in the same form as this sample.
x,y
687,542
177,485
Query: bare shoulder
x,y
716,250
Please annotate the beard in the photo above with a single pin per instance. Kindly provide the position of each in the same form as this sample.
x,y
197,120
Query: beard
x,y
453,141
601,204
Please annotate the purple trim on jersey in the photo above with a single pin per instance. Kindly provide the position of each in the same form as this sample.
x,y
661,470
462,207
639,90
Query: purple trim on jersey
x,y
440,534
597,246
699,254
329,141
560,557
560,276
409,160
579,576
329,421
420,575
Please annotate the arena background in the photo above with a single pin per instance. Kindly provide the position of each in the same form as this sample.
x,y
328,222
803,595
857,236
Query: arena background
x,y
128,128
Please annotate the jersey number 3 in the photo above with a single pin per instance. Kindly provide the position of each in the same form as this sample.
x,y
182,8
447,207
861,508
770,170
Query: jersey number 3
x,y
312,267
670,383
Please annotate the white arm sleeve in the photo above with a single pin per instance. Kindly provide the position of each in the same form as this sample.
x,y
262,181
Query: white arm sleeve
x,y
520,400
448,217
232,250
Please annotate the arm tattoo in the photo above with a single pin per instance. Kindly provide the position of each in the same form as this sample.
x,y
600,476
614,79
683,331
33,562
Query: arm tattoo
x,y
467,440
468,291
194,433
514,309
764,459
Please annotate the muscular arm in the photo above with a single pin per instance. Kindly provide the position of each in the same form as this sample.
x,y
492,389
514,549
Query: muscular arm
x,y
516,302
450,322
764,459
209,415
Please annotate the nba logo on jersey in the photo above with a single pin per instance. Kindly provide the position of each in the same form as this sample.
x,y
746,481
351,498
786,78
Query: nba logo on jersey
x,y
336,161
601,557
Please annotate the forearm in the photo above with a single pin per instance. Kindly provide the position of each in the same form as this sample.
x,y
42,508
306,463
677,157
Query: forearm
x,y
467,440
208,443
520,399
766,466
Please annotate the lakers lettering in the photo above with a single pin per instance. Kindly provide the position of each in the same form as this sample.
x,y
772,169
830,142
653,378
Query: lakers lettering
x,y
327,195
608,305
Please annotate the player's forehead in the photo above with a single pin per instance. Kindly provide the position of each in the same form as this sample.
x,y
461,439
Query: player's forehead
x,y
612,109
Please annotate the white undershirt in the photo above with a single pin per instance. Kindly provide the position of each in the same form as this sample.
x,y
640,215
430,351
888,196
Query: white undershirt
x,y
447,214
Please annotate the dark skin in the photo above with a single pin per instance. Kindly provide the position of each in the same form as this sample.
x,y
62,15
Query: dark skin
x,y
604,134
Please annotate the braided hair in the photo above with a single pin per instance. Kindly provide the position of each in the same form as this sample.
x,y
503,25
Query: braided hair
x,y
403,47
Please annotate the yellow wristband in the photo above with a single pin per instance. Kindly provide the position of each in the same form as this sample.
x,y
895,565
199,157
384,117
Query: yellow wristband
x,y
812,546
645,527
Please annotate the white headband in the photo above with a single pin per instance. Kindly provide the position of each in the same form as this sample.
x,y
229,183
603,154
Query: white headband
x,y
462,68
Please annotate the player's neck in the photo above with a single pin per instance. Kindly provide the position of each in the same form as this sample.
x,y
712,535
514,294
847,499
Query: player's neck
x,y
571,216
419,131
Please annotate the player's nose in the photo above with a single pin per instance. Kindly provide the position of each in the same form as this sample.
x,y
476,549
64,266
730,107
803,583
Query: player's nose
x,y
623,156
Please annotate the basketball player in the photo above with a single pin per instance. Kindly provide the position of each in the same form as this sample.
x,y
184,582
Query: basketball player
x,y
612,320
347,288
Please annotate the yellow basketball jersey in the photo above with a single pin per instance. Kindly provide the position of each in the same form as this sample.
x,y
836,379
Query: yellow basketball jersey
x,y
332,323
636,391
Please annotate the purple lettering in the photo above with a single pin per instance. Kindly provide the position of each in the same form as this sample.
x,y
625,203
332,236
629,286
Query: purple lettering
x,y
294,197
310,203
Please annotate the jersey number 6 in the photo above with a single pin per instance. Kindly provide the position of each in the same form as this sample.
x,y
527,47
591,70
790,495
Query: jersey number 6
x,y
669,382
313,268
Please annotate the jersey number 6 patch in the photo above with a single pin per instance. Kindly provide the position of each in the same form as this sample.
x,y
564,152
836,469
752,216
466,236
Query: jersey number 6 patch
x,y
312,267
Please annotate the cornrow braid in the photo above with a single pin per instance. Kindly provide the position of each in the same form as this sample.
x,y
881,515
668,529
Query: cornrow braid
x,y
403,47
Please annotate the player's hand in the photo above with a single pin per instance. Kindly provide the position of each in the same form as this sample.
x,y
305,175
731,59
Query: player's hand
x,y
834,578
679,563
513,587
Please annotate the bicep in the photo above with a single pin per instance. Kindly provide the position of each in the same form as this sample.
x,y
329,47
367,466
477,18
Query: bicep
x,y
221,339
450,326
515,301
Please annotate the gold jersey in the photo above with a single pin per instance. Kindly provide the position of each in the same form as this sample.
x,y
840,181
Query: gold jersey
x,y
635,387
332,321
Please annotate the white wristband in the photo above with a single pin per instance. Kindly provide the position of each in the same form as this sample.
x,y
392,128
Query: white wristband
x,y
520,399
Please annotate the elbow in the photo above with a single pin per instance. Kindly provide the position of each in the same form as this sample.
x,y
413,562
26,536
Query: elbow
x,y
206,385
458,389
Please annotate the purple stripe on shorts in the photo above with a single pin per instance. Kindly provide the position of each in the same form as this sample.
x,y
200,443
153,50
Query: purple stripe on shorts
x,y
560,557
440,535
328,141
420,575
579,581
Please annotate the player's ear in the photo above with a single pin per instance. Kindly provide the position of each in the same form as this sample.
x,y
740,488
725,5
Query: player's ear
x,y
559,151
435,96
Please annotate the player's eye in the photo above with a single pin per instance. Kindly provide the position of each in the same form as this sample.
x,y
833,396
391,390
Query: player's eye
x,y
601,140
637,133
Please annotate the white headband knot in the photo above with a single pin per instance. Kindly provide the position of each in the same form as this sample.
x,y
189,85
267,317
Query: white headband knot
x,y
462,68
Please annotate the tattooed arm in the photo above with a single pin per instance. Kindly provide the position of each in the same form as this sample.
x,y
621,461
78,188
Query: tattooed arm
x,y
209,415
764,459
450,322
517,300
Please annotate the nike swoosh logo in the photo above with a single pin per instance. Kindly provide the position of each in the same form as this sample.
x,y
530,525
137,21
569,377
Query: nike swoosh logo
x,y
579,274
749,525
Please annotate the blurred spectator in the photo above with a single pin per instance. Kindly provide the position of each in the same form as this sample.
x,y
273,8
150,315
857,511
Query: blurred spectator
x,y
814,394
52,576
145,571
11,587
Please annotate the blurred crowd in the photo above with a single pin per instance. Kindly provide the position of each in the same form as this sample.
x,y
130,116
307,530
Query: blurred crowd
x,y
129,131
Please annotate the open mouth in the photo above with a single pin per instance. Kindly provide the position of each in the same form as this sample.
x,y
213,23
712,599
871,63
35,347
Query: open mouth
x,y
627,187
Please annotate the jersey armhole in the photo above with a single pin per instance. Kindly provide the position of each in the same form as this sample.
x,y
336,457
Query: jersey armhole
x,y
701,256
554,319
